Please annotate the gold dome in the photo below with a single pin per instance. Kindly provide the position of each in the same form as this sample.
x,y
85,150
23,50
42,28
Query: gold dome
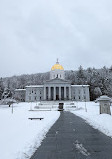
x,y
57,66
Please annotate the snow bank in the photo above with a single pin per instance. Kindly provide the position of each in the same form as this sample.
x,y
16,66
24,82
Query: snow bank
x,y
19,136
101,122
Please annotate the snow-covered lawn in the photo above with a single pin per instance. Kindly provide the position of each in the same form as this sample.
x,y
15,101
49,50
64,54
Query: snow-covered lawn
x,y
102,122
19,136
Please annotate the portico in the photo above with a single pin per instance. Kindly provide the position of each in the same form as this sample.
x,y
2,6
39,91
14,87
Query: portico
x,y
57,93
57,89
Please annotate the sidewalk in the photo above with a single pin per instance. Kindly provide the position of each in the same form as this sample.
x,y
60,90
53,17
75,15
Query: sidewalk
x,y
72,138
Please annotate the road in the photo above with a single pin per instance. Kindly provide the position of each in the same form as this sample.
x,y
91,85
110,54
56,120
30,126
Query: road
x,y
72,138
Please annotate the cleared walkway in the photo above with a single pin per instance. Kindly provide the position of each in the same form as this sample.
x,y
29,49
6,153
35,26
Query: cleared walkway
x,y
72,138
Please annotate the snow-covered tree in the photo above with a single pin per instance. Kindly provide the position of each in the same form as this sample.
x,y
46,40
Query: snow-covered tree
x,y
8,101
1,88
81,76
101,78
7,93
97,92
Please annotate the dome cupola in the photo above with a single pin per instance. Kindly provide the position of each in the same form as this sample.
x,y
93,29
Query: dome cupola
x,y
57,66
57,71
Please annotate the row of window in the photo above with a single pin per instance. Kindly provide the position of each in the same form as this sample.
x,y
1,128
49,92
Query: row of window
x,y
79,92
34,98
79,97
57,76
34,92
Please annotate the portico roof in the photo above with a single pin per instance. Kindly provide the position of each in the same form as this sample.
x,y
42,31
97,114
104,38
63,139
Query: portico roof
x,y
57,81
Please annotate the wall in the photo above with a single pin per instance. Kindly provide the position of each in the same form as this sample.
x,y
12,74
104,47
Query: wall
x,y
80,93
34,94
20,94
60,73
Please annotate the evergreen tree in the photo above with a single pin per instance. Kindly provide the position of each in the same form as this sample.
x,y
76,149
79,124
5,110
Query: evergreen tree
x,y
7,93
1,88
97,92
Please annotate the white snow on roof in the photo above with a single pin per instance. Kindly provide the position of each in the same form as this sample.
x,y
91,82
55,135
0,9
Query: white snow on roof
x,y
34,86
20,89
80,85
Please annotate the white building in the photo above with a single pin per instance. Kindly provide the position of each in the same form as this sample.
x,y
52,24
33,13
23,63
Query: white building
x,y
57,88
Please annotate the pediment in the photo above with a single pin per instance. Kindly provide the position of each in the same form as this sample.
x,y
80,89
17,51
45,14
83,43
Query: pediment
x,y
58,80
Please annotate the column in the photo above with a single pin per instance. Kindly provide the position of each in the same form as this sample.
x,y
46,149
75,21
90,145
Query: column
x,y
49,93
59,93
44,93
54,93
69,93
82,93
65,93
87,94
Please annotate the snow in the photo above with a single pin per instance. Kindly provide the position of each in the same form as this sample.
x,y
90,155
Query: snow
x,y
20,89
19,136
102,122
81,148
34,86
80,85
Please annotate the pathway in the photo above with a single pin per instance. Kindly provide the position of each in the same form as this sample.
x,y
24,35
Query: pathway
x,y
72,138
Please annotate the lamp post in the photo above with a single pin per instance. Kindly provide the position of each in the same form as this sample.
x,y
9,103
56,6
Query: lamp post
x,y
31,106
36,103
77,104
84,99
85,105
12,108
31,99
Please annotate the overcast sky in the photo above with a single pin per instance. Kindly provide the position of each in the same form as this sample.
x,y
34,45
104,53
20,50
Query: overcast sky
x,y
33,34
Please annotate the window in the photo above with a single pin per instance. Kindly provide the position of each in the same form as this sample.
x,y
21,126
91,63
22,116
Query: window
x,y
32,91
84,97
35,98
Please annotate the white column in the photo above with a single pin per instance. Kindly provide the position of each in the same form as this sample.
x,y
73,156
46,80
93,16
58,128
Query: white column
x,y
59,93
82,93
65,93
54,93
44,93
87,94
69,93
49,93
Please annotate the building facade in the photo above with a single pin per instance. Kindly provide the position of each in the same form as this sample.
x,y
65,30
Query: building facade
x,y
57,88
20,94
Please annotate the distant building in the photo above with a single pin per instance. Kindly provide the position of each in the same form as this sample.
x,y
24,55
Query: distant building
x,y
20,94
57,88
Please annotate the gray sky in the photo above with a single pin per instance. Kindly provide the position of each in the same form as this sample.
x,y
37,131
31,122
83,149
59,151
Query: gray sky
x,y
33,34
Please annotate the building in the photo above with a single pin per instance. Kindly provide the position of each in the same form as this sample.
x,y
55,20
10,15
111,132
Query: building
x,y
57,88
20,94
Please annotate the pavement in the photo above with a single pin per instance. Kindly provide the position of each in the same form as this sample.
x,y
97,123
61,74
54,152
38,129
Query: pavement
x,y
72,138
